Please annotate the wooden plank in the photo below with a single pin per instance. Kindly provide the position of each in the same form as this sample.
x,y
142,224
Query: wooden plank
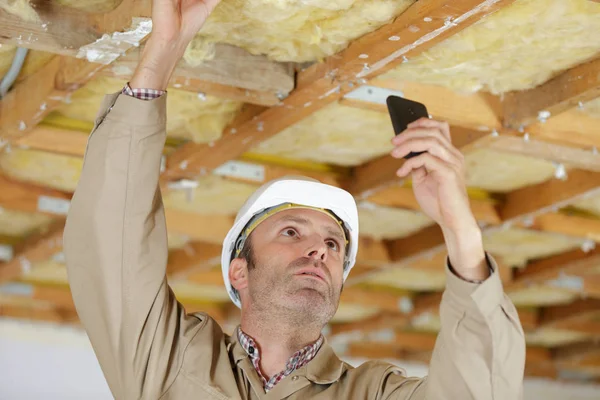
x,y
572,127
321,87
64,30
549,196
563,315
370,298
576,352
562,139
404,197
55,140
73,143
37,247
199,227
479,111
20,196
571,263
381,173
372,252
232,73
39,313
192,256
211,277
577,85
426,242
33,99
572,225
541,148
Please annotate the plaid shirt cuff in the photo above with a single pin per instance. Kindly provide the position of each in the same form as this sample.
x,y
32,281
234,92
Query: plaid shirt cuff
x,y
142,94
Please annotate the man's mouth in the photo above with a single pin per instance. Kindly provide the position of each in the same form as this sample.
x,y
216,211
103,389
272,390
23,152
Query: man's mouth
x,y
312,274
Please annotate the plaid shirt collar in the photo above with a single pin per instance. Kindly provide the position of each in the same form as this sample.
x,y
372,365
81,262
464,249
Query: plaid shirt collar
x,y
297,360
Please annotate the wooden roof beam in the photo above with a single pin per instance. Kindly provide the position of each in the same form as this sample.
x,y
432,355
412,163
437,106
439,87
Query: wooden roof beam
x,y
520,207
97,38
67,31
576,85
29,102
25,197
325,83
37,247
561,140
478,111
232,73
549,196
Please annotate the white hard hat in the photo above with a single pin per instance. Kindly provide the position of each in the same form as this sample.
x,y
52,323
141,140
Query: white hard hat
x,y
286,193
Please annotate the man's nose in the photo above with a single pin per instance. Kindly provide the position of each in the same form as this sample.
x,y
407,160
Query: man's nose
x,y
318,249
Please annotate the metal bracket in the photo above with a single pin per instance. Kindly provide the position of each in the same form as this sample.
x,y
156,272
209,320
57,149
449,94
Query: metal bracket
x,y
242,170
53,205
372,94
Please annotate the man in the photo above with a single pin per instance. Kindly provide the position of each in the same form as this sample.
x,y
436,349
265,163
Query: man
x,y
284,263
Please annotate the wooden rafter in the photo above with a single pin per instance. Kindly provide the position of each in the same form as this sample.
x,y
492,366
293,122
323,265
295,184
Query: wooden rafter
x,y
33,99
98,39
549,196
37,247
577,85
64,30
325,83
30,198
480,111
381,173
232,73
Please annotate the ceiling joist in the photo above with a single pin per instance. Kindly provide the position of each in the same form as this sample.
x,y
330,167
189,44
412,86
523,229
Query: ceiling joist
x,y
55,28
566,91
385,49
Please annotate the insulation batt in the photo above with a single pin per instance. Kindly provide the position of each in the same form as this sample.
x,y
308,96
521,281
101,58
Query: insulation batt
x,y
295,30
200,119
518,47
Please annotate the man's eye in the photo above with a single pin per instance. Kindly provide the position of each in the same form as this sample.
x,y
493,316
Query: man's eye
x,y
333,245
290,232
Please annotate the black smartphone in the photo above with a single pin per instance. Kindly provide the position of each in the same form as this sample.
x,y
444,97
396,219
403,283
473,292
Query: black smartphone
x,y
403,112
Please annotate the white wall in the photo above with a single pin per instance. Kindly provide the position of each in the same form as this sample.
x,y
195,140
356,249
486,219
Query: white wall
x,y
45,361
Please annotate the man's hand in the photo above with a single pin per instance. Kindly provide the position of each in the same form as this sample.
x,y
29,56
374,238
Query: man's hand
x,y
174,25
438,179
178,21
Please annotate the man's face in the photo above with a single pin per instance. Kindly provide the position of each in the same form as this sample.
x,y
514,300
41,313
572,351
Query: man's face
x,y
298,257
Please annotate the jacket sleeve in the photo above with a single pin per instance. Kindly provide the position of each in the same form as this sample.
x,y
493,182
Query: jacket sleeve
x,y
480,351
115,244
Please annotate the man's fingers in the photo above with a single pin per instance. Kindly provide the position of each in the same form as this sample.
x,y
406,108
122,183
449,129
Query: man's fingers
x,y
431,144
415,140
432,164
443,127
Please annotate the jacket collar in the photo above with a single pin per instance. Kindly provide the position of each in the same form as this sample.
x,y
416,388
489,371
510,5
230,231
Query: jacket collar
x,y
325,368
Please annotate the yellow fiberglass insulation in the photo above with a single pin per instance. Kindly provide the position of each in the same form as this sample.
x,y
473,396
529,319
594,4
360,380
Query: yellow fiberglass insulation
x,y
33,62
591,108
336,134
518,47
501,172
297,30
21,9
190,115
516,246
541,296
214,195
46,169
92,6
409,278
21,224
379,222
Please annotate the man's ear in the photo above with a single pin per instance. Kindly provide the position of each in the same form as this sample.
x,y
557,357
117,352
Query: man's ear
x,y
238,273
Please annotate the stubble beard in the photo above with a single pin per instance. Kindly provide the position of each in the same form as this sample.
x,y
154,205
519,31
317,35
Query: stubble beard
x,y
292,300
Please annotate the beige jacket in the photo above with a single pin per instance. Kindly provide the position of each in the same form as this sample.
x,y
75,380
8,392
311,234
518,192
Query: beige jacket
x,y
115,244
